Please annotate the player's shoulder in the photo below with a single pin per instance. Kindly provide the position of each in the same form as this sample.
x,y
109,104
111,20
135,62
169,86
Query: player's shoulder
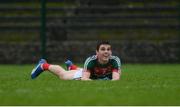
x,y
91,58
115,58
90,61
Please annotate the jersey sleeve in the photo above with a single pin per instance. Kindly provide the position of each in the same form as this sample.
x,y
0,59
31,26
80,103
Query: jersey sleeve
x,y
116,63
88,63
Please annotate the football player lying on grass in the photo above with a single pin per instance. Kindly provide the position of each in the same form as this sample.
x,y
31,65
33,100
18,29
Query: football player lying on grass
x,y
102,66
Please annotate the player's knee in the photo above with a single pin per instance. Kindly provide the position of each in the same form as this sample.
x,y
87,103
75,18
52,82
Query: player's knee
x,y
59,67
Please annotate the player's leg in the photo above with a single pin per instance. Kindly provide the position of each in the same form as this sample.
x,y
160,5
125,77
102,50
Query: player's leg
x,y
37,70
43,66
70,65
55,69
74,72
61,73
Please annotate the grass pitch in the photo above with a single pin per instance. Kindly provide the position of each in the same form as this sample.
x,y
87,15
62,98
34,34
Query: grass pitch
x,y
140,84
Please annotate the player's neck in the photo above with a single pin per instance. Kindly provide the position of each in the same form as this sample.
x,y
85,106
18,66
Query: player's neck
x,y
102,62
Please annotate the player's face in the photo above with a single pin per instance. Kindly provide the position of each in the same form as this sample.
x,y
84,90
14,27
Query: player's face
x,y
104,53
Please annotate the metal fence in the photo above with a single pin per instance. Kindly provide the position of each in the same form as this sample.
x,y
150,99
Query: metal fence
x,y
82,21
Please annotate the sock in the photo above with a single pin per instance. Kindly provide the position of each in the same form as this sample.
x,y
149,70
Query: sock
x,y
73,67
45,66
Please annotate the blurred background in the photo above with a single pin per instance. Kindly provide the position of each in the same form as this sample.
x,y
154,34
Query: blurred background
x,y
140,31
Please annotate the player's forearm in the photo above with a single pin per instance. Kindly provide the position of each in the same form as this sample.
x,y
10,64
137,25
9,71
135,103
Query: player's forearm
x,y
85,79
86,76
116,75
115,79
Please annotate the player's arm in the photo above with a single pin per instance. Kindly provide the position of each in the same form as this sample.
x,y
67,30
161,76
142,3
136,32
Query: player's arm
x,y
86,72
116,74
86,75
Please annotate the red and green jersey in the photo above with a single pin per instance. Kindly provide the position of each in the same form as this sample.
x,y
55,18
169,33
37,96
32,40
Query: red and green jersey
x,y
102,71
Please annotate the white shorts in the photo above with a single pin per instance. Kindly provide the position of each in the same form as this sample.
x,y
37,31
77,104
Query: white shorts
x,y
78,74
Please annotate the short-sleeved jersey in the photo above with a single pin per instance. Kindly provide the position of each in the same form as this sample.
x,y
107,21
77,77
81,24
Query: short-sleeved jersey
x,y
102,71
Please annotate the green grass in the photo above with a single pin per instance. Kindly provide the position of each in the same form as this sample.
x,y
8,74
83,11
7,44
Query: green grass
x,y
150,84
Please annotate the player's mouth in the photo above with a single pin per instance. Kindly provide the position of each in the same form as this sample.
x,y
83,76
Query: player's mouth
x,y
106,56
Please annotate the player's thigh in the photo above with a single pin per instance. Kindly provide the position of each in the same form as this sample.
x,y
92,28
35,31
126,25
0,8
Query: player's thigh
x,y
69,75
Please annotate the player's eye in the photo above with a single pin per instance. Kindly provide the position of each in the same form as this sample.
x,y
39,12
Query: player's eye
x,y
108,49
102,49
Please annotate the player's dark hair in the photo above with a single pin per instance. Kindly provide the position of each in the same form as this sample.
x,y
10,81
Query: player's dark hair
x,y
101,43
